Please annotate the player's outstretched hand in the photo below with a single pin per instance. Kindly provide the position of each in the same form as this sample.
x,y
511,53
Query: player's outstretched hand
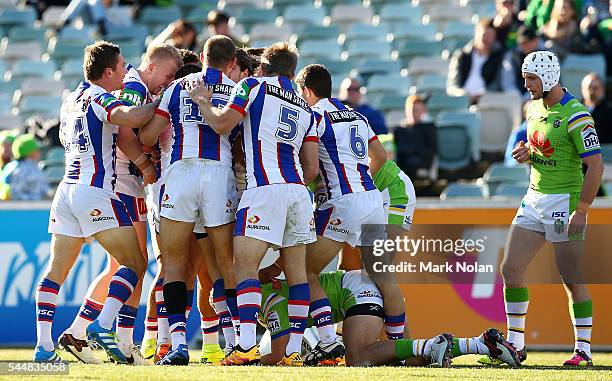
x,y
521,152
198,91
577,223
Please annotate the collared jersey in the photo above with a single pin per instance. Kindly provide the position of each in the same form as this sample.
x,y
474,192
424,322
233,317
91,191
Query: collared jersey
x,y
192,137
344,136
559,137
134,93
277,121
90,140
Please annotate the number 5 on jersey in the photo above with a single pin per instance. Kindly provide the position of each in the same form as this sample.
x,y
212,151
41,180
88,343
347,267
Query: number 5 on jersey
x,y
288,123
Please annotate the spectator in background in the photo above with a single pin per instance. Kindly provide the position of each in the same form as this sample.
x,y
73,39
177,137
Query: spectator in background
x,y
180,34
517,135
562,32
6,142
511,75
598,30
96,11
539,12
475,69
21,179
218,23
506,23
416,139
350,94
594,94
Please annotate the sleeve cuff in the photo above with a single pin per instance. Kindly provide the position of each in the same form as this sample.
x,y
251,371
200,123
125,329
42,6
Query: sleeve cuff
x,y
110,108
590,153
373,138
314,139
238,108
163,113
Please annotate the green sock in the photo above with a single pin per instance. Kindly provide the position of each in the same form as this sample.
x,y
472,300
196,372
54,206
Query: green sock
x,y
403,349
456,351
582,319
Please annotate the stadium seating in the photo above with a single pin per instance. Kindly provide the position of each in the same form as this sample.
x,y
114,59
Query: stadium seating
x,y
251,16
299,16
359,51
54,174
5,104
442,102
387,102
270,32
8,121
397,15
154,16
366,32
428,65
441,15
454,190
54,157
408,50
52,16
453,147
380,84
27,33
497,174
320,49
36,86
501,112
13,51
25,69
511,190
137,33
471,120
61,50
575,67
14,17
344,15
40,105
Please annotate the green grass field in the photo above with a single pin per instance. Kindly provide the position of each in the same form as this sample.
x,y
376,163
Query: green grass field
x,y
539,366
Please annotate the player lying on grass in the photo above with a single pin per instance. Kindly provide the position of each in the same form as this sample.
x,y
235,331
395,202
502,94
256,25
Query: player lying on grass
x,y
357,302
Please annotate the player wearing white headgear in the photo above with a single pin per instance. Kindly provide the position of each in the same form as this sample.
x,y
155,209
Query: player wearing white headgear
x,y
562,137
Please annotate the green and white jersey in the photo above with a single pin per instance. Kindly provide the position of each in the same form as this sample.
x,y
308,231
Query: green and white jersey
x,y
559,137
343,289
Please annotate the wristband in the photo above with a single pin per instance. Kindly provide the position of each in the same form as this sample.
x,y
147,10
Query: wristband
x,y
582,207
141,159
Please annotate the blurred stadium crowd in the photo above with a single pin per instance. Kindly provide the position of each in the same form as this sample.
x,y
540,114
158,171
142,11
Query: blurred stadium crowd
x,y
439,80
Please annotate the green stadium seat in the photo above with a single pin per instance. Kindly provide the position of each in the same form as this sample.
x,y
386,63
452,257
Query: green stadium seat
x,y
137,33
188,6
366,32
24,69
428,65
500,113
320,49
443,14
429,83
63,50
411,49
55,156
37,86
251,16
282,5
389,84
497,174
299,16
270,31
413,32
74,34
9,121
576,66
439,103
5,103
461,190
54,174
331,3
453,147
345,15
373,66
152,16
361,50
387,102
399,14
40,105
511,189
336,67
318,32
131,50
471,120
13,51
27,33
17,16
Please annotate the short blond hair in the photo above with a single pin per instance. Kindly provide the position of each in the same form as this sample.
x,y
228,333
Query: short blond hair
x,y
163,51
280,58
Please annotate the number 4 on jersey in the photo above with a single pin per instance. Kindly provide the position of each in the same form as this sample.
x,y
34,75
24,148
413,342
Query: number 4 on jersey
x,y
80,140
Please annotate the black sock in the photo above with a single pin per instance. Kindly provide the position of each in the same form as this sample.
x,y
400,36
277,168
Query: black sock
x,y
175,297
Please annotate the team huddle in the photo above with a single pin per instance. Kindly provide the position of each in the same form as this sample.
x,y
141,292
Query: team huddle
x,y
223,160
